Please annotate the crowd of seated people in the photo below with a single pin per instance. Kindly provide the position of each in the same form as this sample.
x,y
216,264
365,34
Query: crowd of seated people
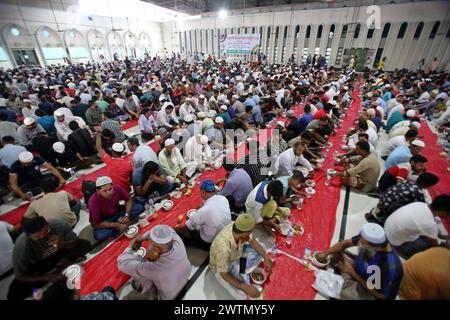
x,y
63,117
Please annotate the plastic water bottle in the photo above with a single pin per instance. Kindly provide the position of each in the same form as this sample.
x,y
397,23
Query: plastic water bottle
x,y
149,205
289,237
307,254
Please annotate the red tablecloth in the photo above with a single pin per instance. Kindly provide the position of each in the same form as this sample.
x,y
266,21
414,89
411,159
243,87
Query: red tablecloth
x,y
15,216
436,164
289,280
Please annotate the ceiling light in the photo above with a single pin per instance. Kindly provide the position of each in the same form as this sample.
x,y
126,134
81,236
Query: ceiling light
x,y
223,13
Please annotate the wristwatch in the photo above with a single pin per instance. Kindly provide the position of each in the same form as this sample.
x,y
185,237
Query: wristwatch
x,y
127,215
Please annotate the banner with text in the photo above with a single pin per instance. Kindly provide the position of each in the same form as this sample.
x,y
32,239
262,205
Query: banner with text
x,y
239,43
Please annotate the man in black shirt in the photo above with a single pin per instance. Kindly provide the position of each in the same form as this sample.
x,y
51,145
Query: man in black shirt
x,y
79,109
80,140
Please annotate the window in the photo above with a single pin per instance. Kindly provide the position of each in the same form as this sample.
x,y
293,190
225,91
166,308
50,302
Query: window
x,y
370,33
418,30
319,32
308,31
447,35
435,29
332,30
344,31
357,31
402,31
15,32
46,34
386,28
72,34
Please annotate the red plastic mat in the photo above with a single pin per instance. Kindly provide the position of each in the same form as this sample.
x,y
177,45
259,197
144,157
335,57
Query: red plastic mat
x,y
289,279
436,164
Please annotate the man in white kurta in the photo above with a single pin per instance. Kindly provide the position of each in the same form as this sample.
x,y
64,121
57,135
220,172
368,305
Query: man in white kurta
x,y
62,124
197,150
289,159
164,277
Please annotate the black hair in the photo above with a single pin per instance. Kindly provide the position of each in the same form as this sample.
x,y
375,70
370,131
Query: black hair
x,y
363,134
228,164
128,94
3,116
49,184
275,188
107,114
441,203
248,108
108,133
150,167
33,225
58,291
170,106
145,110
8,139
364,145
411,133
76,99
298,175
308,135
426,180
327,107
73,125
307,108
362,123
39,112
418,158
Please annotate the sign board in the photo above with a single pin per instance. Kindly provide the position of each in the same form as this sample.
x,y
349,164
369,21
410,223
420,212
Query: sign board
x,y
239,43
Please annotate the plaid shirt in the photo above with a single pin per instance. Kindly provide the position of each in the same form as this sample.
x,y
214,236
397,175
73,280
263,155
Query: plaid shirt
x,y
115,128
401,194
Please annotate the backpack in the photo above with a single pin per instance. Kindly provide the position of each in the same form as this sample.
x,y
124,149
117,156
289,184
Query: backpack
x,y
88,188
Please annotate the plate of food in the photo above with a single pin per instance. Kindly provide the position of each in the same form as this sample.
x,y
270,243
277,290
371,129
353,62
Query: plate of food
x,y
191,212
258,276
141,252
319,264
284,229
132,231
73,271
345,147
177,194
298,229
167,204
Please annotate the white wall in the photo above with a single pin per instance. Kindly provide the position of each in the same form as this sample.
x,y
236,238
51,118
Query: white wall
x,y
37,15
400,53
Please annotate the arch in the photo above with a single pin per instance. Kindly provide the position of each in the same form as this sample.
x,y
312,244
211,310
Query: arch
x,y
146,47
319,31
76,44
418,31
308,31
402,30
51,44
435,29
386,29
116,45
21,40
97,45
357,31
131,44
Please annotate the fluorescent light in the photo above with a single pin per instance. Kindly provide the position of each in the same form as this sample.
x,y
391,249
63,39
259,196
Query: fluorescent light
x,y
223,13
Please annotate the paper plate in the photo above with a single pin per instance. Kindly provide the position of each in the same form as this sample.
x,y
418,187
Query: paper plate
x,y
317,263
132,231
167,204
72,271
284,229
191,212
258,276
141,252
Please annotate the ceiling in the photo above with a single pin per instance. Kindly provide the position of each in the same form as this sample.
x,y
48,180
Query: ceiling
x,y
195,7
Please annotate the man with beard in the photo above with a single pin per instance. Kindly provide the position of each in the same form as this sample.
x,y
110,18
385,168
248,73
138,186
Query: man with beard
x,y
375,273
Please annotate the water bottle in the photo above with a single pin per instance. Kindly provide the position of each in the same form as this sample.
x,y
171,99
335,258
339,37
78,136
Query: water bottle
x,y
307,254
289,237
149,205
300,204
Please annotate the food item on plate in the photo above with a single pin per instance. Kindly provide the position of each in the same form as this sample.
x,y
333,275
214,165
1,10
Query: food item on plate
x,y
258,276
180,218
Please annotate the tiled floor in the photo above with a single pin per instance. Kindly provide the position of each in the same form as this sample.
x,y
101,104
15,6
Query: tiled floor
x,y
203,285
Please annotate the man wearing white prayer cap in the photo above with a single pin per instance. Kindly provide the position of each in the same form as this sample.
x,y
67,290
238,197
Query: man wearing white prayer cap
x,y
196,151
25,174
375,273
29,130
172,163
164,270
28,109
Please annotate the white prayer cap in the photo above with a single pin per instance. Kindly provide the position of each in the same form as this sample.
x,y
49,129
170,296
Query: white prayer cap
x,y
161,234
345,88
28,121
59,147
118,147
411,113
201,97
26,156
387,86
102,181
188,99
418,143
26,100
224,107
189,117
212,113
415,124
201,115
162,98
371,112
235,96
169,142
203,139
58,113
281,124
332,102
373,233
219,120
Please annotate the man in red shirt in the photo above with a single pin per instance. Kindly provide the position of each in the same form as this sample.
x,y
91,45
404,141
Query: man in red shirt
x,y
324,112
118,168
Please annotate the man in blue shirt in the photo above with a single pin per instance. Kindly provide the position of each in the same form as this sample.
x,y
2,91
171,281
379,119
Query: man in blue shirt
x,y
10,116
402,154
387,93
46,121
237,186
306,118
375,273
381,102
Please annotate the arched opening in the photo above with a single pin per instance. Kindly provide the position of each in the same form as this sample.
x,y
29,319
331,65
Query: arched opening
x,y
21,45
116,45
76,44
418,31
131,45
402,30
144,40
97,45
51,46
